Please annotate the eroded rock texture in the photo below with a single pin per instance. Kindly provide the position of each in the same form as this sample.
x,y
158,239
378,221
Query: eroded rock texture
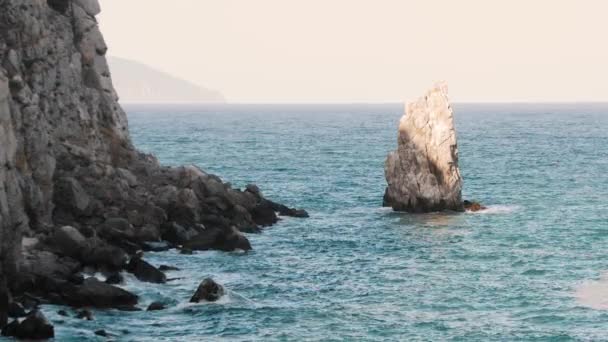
x,y
70,178
423,174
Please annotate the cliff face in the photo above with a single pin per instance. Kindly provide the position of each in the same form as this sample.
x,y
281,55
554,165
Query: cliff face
x,y
423,174
66,159
58,109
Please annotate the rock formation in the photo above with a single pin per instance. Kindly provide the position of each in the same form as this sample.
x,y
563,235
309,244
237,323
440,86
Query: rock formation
x,y
71,180
423,174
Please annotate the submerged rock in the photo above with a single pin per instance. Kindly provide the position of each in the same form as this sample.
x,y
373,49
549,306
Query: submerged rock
x,y
422,174
155,306
208,290
473,206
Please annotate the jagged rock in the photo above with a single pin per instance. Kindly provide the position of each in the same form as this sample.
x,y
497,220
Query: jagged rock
x,y
145,272
94,293
221,239
423,174
208,290
35,327
103,255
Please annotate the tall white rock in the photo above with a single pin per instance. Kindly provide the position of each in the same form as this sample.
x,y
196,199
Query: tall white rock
x,y
423,174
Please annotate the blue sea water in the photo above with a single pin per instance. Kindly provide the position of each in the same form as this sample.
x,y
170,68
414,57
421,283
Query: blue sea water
x,y
355,271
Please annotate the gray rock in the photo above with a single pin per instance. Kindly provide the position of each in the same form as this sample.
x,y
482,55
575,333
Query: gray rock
x,y
35,327
91,7
145,272
69,241
94,293
423,174
71,196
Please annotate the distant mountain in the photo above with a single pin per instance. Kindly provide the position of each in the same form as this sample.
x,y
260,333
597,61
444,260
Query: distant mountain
x,y
139,83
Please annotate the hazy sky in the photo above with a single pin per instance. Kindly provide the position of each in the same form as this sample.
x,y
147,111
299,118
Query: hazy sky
x,y
370,50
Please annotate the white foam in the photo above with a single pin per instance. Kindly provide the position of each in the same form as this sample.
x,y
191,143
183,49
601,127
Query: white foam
x,y
496,209
593,294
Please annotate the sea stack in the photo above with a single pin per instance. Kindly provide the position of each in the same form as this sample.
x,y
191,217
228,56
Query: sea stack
x,y
422,174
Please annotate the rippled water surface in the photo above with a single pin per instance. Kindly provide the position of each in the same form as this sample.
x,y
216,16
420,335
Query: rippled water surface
x,y
357,272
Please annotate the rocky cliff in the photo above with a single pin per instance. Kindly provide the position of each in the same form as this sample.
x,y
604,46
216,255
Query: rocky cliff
x,y
422,174
66,159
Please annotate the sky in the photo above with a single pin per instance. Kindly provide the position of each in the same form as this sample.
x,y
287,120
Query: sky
x,y
323,51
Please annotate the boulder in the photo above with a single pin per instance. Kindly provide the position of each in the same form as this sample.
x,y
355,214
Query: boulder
x,y
145,272
155,306
228,240
70,196
208,290
177,234
94,293
91,7
35,327
103,255
69,241
422,174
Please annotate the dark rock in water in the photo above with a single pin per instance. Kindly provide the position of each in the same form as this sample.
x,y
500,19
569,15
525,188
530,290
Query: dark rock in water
x,y
264,214
94,293
155,306
63,313
101,332
10,330
283,210
186,251
145,272
473,206
16,310
114,278
35,327
167,268
84,314
221,239
208,290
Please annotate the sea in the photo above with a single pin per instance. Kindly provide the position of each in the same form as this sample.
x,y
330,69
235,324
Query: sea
x,y
532,267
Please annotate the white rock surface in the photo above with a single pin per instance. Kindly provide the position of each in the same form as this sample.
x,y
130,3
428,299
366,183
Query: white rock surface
x,y
422,174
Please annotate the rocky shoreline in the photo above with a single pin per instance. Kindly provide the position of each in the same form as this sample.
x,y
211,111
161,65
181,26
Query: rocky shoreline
x,y
75,196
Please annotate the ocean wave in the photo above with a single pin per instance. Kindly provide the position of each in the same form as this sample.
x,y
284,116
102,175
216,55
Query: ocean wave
x,y
593,294
497,209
